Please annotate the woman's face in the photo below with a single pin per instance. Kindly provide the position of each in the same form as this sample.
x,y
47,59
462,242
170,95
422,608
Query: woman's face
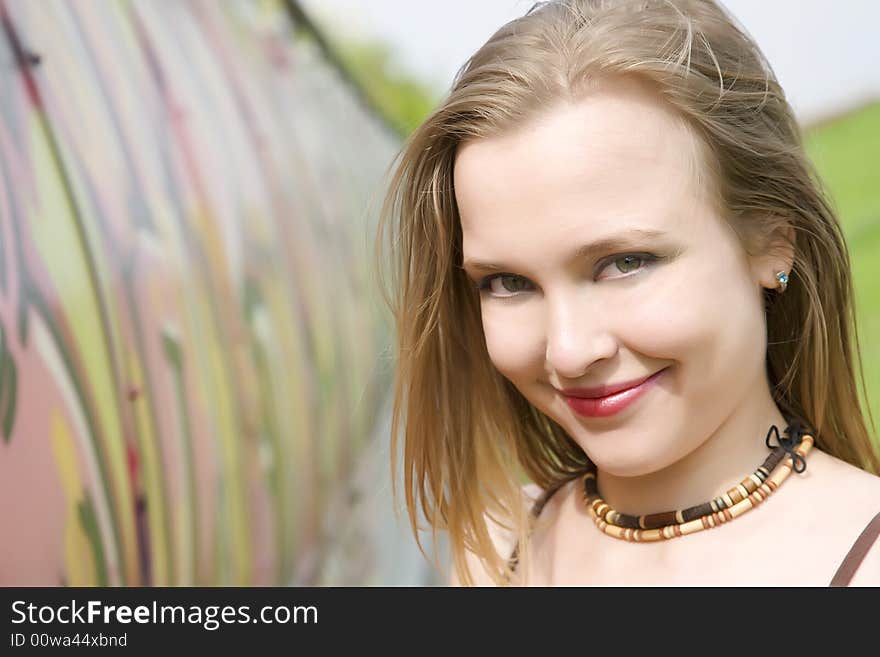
x,y
601,261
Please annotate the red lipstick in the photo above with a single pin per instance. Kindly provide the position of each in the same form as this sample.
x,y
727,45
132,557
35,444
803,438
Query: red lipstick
x,y
610,399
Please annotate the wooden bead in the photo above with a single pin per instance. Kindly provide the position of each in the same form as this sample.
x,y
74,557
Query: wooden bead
x,y
697,511
657,520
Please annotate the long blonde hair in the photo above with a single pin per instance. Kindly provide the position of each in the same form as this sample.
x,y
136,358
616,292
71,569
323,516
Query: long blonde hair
x,y
468,434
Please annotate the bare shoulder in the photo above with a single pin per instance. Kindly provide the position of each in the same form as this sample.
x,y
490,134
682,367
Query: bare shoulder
x,y
839,482
850,498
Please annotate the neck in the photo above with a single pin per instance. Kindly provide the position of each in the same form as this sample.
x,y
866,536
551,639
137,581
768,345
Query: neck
x,y
731,453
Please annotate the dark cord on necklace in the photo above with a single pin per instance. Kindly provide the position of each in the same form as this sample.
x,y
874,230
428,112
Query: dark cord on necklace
x,y
794,433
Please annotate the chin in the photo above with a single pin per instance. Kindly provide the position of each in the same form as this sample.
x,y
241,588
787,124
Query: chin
x,y
626,466
625,452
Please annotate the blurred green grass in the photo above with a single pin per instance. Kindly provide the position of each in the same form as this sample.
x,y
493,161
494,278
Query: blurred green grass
x,y
846,152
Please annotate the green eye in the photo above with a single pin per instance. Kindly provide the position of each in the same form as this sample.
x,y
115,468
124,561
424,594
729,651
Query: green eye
x,y
513,283
628,263
507,285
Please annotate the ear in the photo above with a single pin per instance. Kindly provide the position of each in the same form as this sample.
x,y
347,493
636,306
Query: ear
x,y
778,255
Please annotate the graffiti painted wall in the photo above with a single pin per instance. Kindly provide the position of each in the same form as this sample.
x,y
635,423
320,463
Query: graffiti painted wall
x,y
188,337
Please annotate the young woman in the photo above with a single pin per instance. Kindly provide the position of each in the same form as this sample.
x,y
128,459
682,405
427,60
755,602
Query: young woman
x,y
614,275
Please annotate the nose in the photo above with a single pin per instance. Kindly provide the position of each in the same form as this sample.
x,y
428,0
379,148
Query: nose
x,y
577,337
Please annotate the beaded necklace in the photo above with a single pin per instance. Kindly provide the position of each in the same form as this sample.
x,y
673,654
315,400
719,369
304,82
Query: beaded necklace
x,y
746,495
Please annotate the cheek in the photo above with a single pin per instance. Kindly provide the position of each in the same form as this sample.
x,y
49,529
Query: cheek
x,y
712,323
514,340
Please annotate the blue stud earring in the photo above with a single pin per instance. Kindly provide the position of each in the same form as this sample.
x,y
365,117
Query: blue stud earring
x,y
782,277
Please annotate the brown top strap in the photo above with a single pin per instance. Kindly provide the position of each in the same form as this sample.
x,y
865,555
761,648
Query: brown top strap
x,y
856,554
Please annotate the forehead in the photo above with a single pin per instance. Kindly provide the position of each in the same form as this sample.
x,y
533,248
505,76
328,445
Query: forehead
x,y
615,155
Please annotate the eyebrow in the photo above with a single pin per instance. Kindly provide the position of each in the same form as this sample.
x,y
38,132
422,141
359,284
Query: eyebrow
x,y
626,240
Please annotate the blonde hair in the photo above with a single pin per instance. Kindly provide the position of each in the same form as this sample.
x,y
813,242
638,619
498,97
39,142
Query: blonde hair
x,y
467,431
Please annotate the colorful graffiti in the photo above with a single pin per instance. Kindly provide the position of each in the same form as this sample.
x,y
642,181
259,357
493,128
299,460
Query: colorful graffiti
x,y
188,340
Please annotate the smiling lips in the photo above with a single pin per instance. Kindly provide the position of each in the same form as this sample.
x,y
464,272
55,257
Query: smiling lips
x,y
604,401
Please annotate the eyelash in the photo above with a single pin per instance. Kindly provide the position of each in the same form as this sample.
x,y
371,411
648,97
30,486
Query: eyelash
x,y
647,259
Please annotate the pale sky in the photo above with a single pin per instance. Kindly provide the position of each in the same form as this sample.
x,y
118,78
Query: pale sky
x,y
825,54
